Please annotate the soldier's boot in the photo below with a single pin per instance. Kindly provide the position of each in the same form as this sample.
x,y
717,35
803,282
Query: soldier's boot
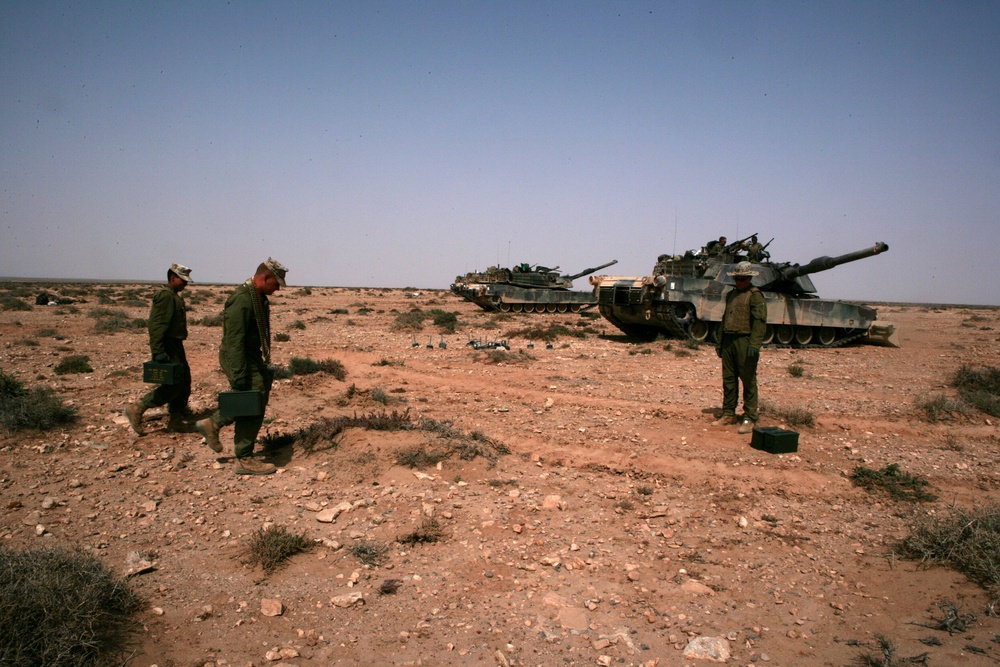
x,y
133,412
251,466
210,432
746,426
725,420
177,424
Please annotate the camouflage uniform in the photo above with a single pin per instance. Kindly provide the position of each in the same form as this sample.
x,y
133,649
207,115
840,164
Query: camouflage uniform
x,y
167,332
245,356
743,327
755,253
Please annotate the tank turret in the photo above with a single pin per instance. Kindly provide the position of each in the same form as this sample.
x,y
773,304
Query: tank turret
x,y
685,297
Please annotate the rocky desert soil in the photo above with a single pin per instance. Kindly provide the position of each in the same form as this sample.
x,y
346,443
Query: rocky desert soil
x,y
598,518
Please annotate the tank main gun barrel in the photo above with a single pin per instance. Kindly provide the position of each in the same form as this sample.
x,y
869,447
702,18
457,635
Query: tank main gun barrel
x,y
589,271
826,263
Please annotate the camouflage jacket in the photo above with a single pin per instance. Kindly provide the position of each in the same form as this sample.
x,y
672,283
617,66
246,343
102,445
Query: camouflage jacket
x,y
167,319
241,342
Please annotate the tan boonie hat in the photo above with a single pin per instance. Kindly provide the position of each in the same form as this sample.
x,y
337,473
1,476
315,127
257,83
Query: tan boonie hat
x,y
182,272
277,269
743,270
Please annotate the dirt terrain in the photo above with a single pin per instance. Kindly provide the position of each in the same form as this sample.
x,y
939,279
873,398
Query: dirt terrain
x,y
620,526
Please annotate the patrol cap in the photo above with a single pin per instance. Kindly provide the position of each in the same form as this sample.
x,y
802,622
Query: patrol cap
x,y
182,272
277,269
743,270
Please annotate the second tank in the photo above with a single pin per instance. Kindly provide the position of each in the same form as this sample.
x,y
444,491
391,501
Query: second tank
x,y
525,288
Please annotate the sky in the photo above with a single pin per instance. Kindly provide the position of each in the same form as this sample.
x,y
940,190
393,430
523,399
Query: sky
x,y
399,144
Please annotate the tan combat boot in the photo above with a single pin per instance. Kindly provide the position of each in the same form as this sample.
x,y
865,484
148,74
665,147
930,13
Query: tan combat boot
x,y
210,432
746,426
725,420
133,412
251,466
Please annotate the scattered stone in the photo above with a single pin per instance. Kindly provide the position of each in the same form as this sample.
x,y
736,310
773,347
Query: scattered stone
x,y
347,600
715,649
271,607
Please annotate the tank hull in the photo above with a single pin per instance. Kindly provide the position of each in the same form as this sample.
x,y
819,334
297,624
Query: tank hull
x,y
692,308
502,297
525,289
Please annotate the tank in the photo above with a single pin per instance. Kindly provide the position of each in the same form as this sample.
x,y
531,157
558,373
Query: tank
x,y
686,298
526,289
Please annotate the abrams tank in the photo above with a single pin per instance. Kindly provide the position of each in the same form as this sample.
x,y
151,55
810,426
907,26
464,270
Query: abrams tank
x,y
525,289
686,298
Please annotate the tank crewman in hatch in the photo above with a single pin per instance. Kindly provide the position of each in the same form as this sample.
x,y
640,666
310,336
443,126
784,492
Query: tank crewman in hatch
x,y
167,331
713,248
755,251
245,356
742,333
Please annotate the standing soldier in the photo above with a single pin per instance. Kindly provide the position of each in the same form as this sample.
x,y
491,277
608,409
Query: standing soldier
x,y
743,326
245,356
167,331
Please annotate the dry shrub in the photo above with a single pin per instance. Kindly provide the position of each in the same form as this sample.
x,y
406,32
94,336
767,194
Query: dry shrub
x,y
428,531
270,547
369,552
63,609
966,540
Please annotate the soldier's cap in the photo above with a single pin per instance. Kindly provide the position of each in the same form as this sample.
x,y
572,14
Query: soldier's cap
x,y
743,270
182,272
277,269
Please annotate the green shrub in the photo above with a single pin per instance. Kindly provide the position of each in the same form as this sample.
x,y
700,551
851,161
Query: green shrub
x,y
967,540
209,321
306,366
39,407
547,333
892,480
282,337
409,321
446,321
13,303
298,324
74,363
796,370
110,320
379,396
980,389
940,408
63,609
791,416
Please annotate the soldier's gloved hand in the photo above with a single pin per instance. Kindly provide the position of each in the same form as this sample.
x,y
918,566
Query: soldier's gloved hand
x,y
718,352
753,353
162,358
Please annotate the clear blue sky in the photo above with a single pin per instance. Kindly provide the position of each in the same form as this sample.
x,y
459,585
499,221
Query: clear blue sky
x,y
398,144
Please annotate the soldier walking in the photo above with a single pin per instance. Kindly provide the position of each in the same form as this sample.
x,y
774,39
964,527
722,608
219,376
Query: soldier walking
x,y
742,333
167,332
245,356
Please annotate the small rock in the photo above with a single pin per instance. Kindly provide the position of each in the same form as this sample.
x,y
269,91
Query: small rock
x,y
715,649
347,600
271,607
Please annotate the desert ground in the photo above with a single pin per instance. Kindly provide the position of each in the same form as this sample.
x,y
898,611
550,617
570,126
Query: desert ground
x,y
599,518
